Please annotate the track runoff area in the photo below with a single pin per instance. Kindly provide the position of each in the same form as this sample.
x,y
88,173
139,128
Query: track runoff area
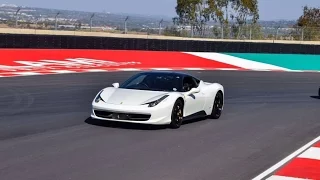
x,y
283,91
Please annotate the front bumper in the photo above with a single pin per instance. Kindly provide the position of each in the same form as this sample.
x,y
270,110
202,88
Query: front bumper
x,y
142,114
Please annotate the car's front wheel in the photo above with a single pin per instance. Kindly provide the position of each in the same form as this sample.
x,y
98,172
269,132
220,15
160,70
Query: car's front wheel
x,y
217,106
177,114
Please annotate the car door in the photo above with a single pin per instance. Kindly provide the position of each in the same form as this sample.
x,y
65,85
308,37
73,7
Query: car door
x,y
194,102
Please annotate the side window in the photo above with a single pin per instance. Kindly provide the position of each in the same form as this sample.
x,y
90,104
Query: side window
x,y
189,83
197,81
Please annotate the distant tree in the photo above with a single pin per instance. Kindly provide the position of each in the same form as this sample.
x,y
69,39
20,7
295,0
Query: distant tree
x,y
243,11
255,30
192,12
172,31
308,24
216,32
198,12
309,18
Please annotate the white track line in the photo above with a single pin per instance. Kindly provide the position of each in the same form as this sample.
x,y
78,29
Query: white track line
x,y
227,69
128,69
162,69
284,178
62,71
194,69
26,73
294,70
260,69
285,160
96,70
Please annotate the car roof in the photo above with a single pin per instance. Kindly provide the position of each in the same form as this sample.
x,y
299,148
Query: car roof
x,y
167,72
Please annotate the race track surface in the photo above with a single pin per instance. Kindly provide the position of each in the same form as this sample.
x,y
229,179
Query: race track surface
x,y
45,132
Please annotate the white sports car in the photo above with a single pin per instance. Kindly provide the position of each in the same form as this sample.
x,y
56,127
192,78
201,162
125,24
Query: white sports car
x,y
157,98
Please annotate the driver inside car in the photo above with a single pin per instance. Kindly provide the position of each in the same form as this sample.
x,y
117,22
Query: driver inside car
x,y
186,87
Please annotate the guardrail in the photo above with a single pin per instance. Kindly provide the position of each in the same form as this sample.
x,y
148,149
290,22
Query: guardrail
x,y
140,36
45,39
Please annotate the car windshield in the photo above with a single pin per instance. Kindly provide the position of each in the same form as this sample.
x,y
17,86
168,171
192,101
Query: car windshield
x,y
154,82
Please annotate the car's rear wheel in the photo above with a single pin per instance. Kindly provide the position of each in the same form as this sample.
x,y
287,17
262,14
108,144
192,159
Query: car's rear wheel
x,y
177,114
217,106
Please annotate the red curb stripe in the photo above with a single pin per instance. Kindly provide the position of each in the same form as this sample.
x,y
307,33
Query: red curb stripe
x,y
317,145
148,59
301,168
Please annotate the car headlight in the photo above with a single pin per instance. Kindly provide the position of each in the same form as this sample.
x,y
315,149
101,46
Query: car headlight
x,y
156,102
98,98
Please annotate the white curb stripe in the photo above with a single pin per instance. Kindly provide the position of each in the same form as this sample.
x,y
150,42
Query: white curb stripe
x,y
311,153
235,61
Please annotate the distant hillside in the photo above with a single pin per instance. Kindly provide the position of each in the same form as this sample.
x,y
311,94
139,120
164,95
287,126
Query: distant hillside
x,y
33,14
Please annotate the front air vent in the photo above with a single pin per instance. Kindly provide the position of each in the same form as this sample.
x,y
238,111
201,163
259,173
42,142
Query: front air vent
x,y
122,115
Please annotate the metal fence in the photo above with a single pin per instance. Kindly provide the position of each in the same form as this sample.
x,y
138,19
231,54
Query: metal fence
x,y
248,32
150,26
211,32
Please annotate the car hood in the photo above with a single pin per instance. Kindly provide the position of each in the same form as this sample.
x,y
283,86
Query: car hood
x,y
129,96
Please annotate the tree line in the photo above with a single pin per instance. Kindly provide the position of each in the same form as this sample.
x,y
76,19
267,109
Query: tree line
x,y
237,14
196,13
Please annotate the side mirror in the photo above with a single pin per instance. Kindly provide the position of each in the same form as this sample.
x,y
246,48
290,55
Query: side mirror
x,y
116,85
193,91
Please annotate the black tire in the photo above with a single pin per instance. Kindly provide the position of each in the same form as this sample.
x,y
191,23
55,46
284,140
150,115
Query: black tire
x,y
177,114
319,92
217,106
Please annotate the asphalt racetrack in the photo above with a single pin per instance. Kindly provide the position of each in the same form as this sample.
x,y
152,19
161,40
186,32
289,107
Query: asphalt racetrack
x,y
45,132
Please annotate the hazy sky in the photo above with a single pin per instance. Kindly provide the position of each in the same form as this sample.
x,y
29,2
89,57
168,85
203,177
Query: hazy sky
x,y
269,9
